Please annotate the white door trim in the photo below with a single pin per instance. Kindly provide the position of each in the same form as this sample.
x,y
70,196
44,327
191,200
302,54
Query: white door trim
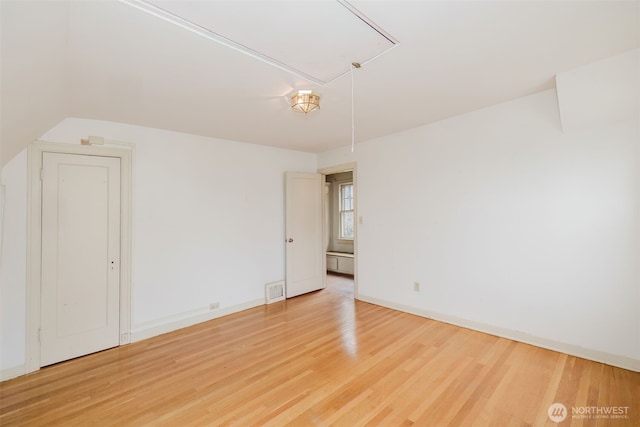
x,y
34,238
345,168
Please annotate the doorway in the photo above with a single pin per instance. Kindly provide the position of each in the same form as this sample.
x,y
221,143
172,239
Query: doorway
x,y
78,293
340,228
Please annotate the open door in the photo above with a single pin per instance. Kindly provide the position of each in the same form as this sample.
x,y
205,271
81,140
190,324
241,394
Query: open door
x,y
303,227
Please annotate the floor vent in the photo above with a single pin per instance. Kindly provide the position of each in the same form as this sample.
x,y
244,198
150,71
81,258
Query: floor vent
x,y
274,292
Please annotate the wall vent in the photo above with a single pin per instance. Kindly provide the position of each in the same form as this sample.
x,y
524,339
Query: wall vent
x,y
274,292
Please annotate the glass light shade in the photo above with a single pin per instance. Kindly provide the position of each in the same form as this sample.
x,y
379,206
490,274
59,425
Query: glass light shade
x,y
305,102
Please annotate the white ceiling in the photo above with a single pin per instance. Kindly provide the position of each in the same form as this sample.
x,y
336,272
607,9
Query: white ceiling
x,y
110,61
316,40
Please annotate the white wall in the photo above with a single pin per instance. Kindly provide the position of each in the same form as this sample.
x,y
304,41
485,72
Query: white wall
x,y
208,225
509,225
13,267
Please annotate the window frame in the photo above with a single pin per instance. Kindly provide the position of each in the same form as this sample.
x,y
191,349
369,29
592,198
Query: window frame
x,y
341,210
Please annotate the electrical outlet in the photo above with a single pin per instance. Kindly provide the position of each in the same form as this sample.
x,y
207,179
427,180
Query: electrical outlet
x,y
214,306
416,286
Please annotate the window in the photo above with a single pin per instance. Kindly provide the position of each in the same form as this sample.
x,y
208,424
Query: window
x,y
346,211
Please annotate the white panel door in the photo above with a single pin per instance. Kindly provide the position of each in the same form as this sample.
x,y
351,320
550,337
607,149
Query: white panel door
x,y
304,241
80,255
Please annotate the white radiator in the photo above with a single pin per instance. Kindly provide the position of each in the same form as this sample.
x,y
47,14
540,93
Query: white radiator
x,y
274,292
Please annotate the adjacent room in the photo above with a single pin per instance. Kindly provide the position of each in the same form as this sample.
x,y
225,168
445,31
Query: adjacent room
x,y
326,212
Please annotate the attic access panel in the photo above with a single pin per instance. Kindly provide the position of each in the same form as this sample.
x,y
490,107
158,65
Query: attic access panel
x,y
315,40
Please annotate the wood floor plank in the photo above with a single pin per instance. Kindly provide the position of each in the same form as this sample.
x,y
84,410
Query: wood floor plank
x,y
320,359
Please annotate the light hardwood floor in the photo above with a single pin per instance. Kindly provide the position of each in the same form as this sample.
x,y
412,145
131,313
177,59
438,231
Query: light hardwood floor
x,y
316,360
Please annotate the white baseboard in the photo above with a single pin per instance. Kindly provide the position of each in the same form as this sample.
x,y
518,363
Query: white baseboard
x,y
16,371
182,320
573,350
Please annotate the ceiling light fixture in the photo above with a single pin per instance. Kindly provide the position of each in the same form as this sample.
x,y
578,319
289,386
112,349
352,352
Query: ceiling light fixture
x,y
305,101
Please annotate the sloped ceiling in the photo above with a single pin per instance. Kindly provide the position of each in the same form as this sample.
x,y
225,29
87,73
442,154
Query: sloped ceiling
x,y
34,89
109,61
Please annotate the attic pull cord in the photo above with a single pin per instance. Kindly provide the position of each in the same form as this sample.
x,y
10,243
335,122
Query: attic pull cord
x,y
353,125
